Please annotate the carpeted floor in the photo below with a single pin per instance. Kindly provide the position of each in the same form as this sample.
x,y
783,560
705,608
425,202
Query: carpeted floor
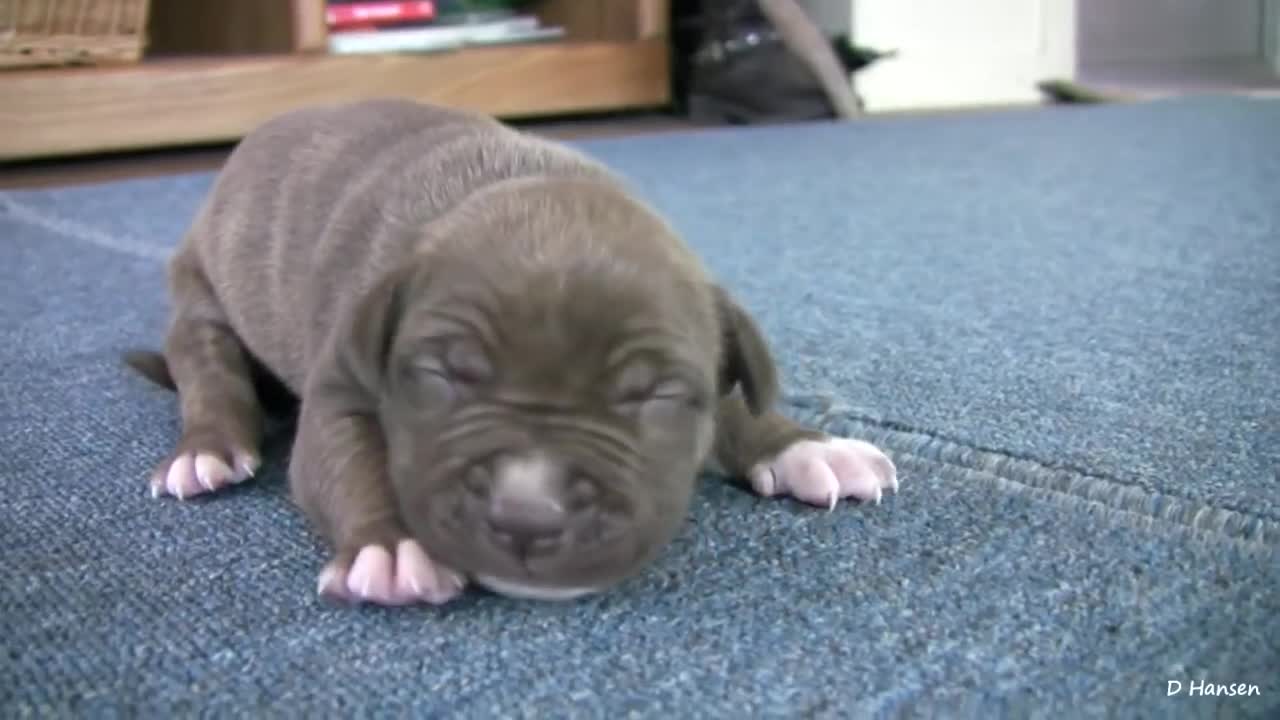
x,y
1064,324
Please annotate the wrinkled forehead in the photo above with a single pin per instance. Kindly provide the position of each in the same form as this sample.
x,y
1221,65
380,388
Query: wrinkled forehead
x,y
580,315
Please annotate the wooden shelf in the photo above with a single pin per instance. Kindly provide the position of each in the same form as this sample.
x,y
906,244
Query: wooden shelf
x,y
179,101
215,69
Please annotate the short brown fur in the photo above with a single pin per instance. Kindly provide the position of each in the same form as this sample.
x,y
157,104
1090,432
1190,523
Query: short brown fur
x,y
439,290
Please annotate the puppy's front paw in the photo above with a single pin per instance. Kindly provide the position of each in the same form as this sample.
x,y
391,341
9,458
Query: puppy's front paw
x,y
381,575
821,472
203,462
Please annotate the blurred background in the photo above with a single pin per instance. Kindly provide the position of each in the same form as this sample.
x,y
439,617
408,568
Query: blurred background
x,y
87,79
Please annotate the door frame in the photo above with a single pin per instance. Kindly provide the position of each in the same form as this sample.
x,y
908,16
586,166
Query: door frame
x,y
1271,33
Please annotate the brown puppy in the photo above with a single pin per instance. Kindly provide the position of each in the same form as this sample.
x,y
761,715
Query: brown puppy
x,y
509,369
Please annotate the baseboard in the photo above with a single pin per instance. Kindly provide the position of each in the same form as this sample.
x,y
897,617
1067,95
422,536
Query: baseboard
x,y
1147,79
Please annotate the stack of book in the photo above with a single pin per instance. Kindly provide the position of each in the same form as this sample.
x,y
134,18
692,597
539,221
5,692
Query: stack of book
x,y
383,26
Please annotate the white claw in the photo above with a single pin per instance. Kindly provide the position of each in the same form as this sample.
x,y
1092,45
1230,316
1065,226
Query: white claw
x,y
364,588
326,576
246,470
417,589
835,498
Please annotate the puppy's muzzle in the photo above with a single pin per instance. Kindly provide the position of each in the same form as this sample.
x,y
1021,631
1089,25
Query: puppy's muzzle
x,y
536,511
527,505
526,509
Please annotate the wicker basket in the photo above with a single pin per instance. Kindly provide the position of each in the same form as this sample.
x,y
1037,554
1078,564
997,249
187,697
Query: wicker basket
x,y
66,32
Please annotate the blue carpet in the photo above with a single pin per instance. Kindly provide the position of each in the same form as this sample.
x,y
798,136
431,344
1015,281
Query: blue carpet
x,y
1063,323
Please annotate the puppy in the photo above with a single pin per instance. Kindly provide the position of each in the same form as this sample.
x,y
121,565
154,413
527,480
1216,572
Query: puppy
x,y
508,369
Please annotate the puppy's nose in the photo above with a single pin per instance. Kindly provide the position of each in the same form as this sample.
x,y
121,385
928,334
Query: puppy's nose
x,y
531,518
525,507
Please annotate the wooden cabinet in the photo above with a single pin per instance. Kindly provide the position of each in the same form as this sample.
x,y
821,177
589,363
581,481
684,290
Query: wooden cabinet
x,y
216,68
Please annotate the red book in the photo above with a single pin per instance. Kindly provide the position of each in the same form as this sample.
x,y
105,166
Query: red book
x,y
369,14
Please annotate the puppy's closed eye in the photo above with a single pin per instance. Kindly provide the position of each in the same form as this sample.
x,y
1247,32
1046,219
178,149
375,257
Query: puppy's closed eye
x,y
429,380
442,370
642,391
467,364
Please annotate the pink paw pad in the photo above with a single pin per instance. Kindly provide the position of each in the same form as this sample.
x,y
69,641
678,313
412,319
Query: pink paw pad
x,y
377,576
192,474
821,472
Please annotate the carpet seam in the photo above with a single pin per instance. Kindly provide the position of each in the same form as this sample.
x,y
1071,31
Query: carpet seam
x,y
1011,472
73,230
1250,540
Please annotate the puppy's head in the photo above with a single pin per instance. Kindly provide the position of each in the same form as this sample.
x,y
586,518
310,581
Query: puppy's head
x,y
547,373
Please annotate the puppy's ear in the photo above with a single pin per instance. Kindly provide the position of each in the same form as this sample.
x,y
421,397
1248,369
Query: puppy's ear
x,y
746,362
363,346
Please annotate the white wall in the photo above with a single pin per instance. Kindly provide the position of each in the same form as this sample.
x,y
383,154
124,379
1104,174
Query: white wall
x,y
962,52
1120,30
982,52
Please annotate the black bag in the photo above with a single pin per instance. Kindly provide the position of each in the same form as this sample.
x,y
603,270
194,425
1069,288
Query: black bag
x,y
731,66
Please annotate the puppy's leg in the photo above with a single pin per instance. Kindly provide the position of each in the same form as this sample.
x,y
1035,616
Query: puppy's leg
x,y
338,476
221,417
778,456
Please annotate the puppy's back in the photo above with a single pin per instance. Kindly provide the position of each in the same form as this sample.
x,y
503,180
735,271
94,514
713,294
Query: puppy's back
x,y
313,206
